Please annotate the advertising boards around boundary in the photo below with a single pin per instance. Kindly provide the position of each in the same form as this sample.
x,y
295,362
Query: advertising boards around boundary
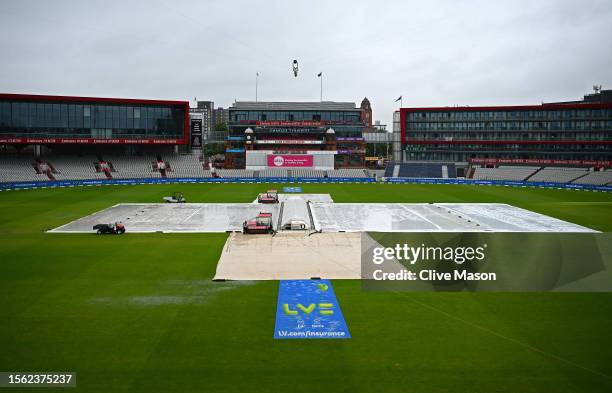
x,y
290,160
308,309
100,182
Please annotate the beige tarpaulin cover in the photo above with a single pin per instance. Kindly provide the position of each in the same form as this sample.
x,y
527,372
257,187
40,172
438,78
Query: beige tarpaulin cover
x,y
290,256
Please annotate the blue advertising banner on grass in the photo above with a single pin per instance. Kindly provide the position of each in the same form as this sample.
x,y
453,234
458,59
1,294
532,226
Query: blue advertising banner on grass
x,y
308,309
292,189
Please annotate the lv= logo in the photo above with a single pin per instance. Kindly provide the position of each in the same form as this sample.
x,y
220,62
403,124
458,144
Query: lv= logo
x,y
323,308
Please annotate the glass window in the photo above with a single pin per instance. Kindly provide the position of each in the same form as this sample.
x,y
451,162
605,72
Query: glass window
x,y
78,114
143,118
63,116
15,114
69,119
5,114
123,117
100,116
56,115
30,114
86,117
39,119
114,116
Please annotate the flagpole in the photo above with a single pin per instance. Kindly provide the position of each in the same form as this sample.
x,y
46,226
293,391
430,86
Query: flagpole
x,y
256,85
321,98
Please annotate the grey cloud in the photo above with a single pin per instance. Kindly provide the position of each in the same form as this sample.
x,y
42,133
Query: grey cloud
x,y
433,53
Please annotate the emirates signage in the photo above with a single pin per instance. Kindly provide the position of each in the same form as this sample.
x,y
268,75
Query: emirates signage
x,y
94,141
537,161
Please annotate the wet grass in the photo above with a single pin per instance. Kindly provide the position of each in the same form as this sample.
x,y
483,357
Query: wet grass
x,y
138,313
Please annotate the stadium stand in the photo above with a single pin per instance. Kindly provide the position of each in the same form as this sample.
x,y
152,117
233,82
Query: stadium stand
x,y
390,169
105,167
129,167
517,173
596,178
347,172
161,166
15,168
377,173
274,172
230,173
23,168
188,166
558,174
421,170
76,168
301,172
45,168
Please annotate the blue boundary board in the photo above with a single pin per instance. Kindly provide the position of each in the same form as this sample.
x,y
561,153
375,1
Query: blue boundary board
x,y
102,182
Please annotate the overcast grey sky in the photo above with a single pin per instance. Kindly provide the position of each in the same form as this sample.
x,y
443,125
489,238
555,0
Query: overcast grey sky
x,y
433,53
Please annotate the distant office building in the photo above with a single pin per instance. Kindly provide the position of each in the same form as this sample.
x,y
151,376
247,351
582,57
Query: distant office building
x,y
220,115
200,120
377,134
559,131
208,105
207,109
203,130
315,135
598,96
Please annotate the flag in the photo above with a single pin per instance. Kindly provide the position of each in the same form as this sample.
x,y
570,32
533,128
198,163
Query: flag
x,y
398,99
319,74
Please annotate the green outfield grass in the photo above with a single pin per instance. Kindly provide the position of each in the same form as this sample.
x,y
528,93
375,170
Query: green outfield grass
x,y
139,313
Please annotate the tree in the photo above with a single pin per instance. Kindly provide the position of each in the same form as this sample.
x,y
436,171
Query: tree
x,y
221,127
210,149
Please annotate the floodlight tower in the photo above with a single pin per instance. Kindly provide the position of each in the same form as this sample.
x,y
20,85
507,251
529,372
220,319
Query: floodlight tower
x,y
295,68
